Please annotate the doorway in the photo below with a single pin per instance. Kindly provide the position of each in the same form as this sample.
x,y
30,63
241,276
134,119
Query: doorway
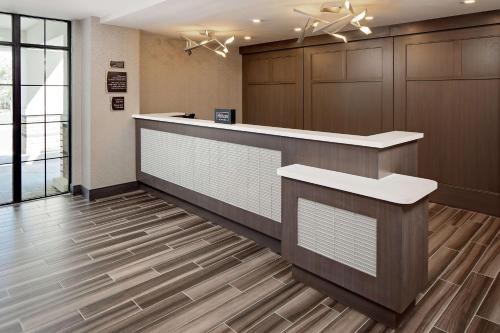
x,y
35,95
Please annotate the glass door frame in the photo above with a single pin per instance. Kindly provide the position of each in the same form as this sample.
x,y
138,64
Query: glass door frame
x,y
17,45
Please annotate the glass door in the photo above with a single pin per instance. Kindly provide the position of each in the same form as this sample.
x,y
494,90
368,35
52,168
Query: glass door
x,y
39,112
6,119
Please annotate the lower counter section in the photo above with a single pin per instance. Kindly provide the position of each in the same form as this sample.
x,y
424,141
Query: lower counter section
x,y
364,244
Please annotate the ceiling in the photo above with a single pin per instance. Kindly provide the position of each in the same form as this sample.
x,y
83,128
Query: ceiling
x,y
229,17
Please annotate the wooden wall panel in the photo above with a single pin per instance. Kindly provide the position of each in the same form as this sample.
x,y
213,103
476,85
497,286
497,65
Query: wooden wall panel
x,y
333,104
436,60
272,89
457,107
348,87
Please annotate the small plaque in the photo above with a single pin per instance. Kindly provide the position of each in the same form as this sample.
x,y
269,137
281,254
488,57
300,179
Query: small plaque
x,y
117,103
117,64
116,82
225,116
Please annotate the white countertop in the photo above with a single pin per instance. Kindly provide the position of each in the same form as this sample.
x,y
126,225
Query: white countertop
x,y
395,188
382,140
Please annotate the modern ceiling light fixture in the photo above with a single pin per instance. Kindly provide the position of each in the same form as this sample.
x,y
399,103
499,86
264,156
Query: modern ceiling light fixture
x,y
315,23
256,20
209,42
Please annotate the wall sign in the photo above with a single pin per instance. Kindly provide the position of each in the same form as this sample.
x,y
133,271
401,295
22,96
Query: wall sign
x,y
225,116
117,103
117,64
116,82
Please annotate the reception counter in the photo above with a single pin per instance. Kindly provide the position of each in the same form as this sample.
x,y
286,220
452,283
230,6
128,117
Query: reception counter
x,y
345,210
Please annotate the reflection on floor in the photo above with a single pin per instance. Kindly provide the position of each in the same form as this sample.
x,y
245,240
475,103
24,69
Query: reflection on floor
x,y
136,263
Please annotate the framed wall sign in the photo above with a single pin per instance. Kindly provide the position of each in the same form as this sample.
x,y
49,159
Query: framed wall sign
x,y
117,64
116,82
117,103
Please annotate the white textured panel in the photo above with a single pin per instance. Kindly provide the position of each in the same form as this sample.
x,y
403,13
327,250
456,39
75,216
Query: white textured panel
x,y
338,234
242,176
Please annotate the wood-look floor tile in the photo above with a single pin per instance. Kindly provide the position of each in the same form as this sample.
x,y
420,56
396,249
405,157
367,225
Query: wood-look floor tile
x,y
314,321
479,217
336,305
213,257
123,295
272,324
371,326
422,316
438,262
284,275
489,264
301,304
70,303
249,253
435,208
222,328
439,237
219,314
150,315
481,325
462,308
442,218
105,319
490,307
264,307
189,280
169,264
462,235
60,323
488,231
460,267
348,321
259,274
14,327
209,285
436,330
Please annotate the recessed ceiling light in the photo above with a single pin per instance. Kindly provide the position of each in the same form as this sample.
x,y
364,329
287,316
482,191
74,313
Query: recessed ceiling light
x,y
256,20
247,37
315,24
297,29
468,2
369,18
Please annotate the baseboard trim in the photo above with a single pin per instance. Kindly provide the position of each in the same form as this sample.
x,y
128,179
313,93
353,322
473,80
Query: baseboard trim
x,y
373,310
76,189
479,201
258,237
97,193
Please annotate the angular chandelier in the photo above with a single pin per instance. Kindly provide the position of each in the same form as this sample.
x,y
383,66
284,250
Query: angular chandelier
x,y
315,24
209,42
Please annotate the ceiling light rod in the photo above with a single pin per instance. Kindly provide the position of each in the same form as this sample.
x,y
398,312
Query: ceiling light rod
x,y
332,27
221,48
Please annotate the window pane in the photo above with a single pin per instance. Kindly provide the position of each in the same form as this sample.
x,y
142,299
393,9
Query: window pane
x,y
32,104
57,103
5,183
57,176
57,33
5,144
32,66
33,179
57,140
5,105
57,67
32,30
5,28
5,65
32,142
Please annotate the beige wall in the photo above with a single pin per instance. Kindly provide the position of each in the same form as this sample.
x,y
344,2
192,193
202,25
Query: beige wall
x,y
172,81
107,138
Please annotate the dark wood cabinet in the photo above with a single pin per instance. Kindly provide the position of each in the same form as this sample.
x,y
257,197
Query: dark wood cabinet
x,y
447,85
348,87
272,89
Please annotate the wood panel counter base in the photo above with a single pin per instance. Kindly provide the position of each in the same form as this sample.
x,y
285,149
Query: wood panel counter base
x,y
375,311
